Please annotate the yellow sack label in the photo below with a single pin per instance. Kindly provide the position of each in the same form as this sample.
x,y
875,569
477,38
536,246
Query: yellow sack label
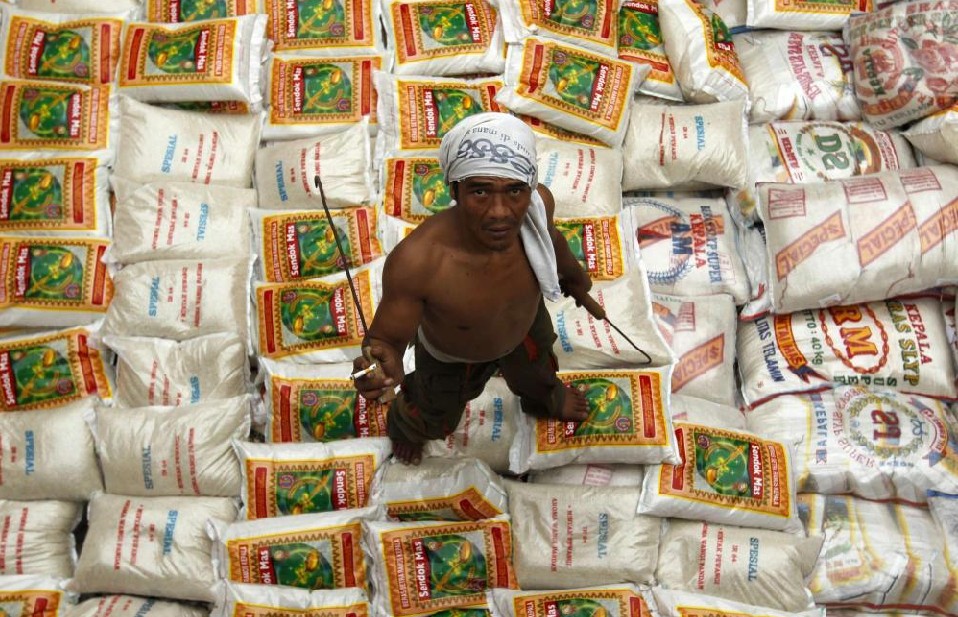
x,y
39,116
54,274
242,609
606,602
48,195
556,132
719,49
176,11
428,110
729,469
320,24
414,189
50,371
30,603
330,558
83,51
468,505
592,21
640,38
157,55
323,90
322,410
429,29
596,245
820,7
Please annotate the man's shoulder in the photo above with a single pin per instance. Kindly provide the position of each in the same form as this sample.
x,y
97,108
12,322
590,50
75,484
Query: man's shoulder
x,y
420,252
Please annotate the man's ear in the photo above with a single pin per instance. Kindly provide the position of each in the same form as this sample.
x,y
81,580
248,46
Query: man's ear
x,y
454,189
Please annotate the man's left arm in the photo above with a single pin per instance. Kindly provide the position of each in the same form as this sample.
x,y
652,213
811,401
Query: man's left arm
x,y
573,279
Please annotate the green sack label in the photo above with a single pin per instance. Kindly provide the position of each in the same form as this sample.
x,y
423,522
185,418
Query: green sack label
x,y
34,115
415,189
323,90
82,51
322,410
305,24
284,488
48,195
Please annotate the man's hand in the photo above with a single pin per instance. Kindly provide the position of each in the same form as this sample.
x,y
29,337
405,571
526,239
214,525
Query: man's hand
x,y
576,286
374,385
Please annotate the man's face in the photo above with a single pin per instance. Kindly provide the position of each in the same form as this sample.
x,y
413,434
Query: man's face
x,y
492,209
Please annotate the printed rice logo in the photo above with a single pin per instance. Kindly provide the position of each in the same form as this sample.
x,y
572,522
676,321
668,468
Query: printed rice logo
x,y
37,46
699,361
790,257
856,336
292,250
22,272
551,608
297,89
6,193
431,113
201,50
7,380
264,565
830,152
693,242
421,569
879,427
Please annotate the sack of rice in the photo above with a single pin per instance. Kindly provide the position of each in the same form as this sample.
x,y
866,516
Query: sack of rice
x,y
670,147
42,194
56,282
38,596
700,411
307,478
579,536
183,146
628,422
392,231
294,245
944,510
439,489
551,131
176,11
733,12
640,42
701,333
133,606
179,220
268,601
47,116
904,59
751,566
36,537
210,60
597,243
933,193
421,568
606,601
309,551
591,25
50,369
894,344
797,76
727,477
804,15
571,87
590,475
674,603
286,171
937,135
584,180
414,188
700,49
324,27
151,546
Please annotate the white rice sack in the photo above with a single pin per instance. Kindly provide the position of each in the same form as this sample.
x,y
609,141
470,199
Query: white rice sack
x,y
590,475
36,537
607,600
899,345
700,48
151,546
40,370
733,12
309,551
904,58
440,489
487,428
805,15
937,135
392,231
185,146
286,171
294,245
317,402
686,146
628,422
591,25
184,450
133,606
307,478
597,243
873,443
48,454
266,601
571,87
53,281
180,299
751,566
640,42
39,596
700,411
701,333
551,131
325,28
585,343
179,220
210,60
674,603
579,536
584,180
727,477
427,567
933,193
175,11
797,76
944,509
434,37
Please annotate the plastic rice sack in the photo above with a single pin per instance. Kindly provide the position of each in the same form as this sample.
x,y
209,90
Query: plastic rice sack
x,y
436,37
151,546
294,245
592,25
728,477
46,281
39,115
487,428
873,443
132,606
309,551
578,536
462,489
701,333
733,12
179,220
291,479
183,146
686,146
944,510
544,129
597,243
571,87
700,49
37,537
392,231
700,411
39,596
585,181
608,600
628,422
797,75
325,27
640,42
180,299
937,135
804,14
176,11
286,171
752,566
414,188
426,567
210,60
674,603
264,601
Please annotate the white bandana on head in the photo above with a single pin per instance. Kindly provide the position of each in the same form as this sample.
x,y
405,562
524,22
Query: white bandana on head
x,y
502,146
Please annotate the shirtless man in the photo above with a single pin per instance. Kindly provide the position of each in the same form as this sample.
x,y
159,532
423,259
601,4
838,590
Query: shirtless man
x,y
467,285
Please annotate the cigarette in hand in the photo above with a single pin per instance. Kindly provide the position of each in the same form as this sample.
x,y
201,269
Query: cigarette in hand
x,y
369,369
